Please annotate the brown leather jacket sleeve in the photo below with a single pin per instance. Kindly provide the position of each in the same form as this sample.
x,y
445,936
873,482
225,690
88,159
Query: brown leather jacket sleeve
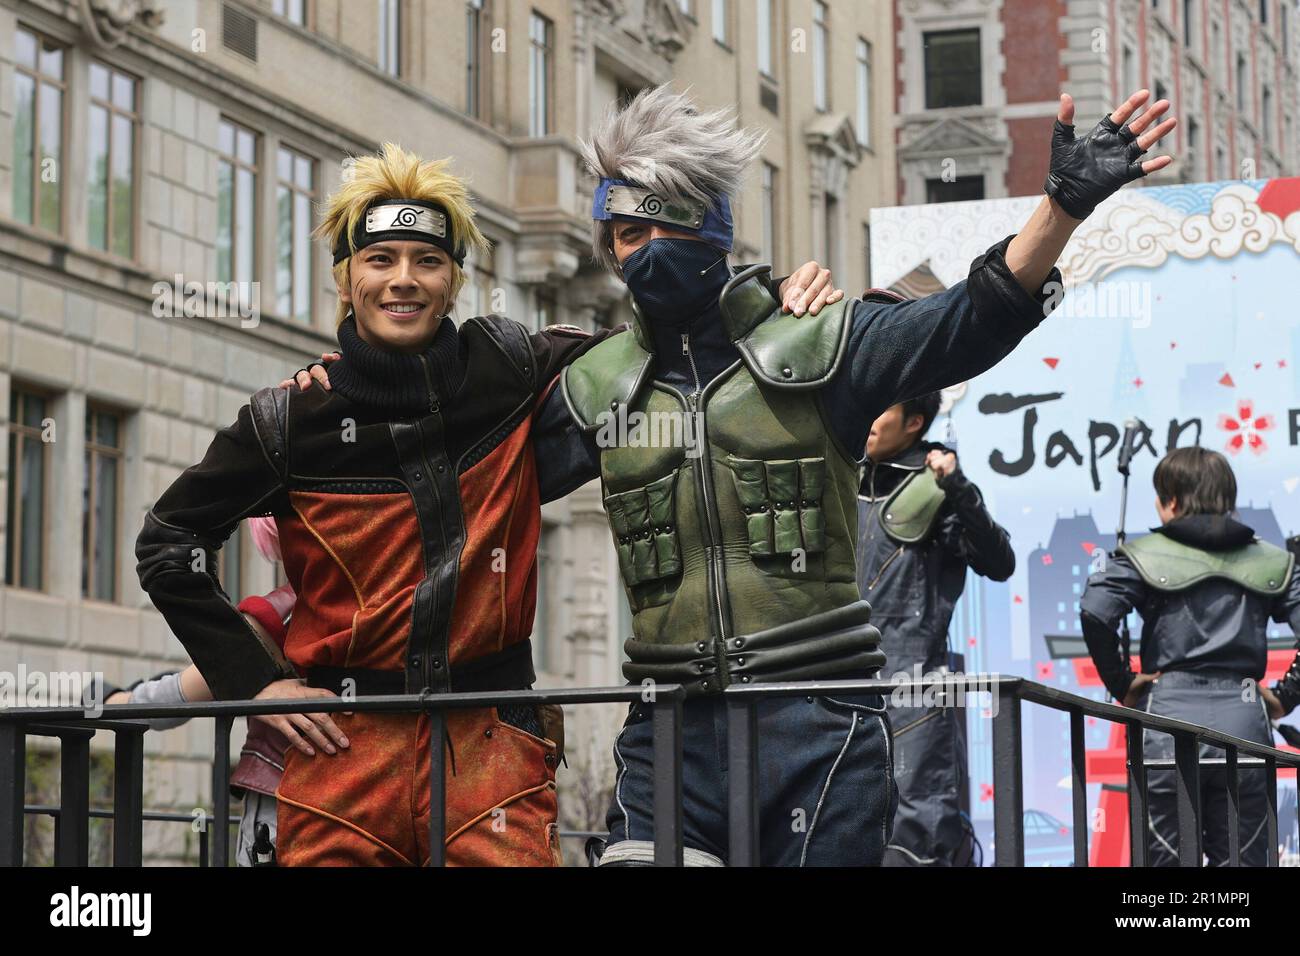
x,y
177,552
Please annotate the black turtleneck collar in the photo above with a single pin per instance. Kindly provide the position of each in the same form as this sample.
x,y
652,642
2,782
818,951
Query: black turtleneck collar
x,y
709,346
1210,532
396,382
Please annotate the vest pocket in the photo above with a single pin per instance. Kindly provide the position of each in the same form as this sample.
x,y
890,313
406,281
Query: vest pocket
x,y
644,534
782,501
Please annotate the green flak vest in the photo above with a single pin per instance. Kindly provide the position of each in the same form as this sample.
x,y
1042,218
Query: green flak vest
x,y
909,513
749,528
1169,565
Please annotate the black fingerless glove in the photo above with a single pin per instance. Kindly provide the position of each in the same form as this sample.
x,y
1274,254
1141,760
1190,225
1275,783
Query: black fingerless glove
x,y
1085,172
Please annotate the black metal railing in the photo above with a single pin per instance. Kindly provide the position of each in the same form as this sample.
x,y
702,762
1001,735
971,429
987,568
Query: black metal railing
x,y
75,730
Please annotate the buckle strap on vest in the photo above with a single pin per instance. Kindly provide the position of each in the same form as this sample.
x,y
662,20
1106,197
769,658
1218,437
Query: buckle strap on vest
x,y
837,643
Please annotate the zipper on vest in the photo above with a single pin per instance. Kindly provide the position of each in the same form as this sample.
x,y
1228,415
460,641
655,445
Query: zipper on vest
x,y
426,656
704,485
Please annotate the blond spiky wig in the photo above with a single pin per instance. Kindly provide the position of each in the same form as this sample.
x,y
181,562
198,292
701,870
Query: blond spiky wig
x,y
661,141
394,173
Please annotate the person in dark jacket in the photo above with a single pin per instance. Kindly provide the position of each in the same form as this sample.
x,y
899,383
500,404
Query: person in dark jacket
x,y
921,525
1206,588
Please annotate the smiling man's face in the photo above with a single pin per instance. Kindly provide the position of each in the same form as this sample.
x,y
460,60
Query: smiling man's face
x,y
399,292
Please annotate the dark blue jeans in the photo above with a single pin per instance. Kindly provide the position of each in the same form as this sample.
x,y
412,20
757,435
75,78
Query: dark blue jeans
x,y
826,789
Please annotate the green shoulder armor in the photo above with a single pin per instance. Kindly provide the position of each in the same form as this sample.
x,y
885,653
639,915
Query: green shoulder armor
x,y
609,375
909,514
1169,565
781,350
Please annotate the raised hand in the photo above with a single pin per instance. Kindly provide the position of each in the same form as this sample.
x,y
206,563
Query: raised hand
x,y
1085,172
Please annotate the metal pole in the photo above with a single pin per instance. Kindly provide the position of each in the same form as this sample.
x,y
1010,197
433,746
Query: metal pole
x,y
742,767
1079,787
1008,780
13,749
667,730
1137,795
128,797
220,791
1188,794
437,788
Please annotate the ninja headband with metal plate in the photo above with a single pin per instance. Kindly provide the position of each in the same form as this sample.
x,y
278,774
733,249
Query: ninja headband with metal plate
x,y
618,198
647,204
388,220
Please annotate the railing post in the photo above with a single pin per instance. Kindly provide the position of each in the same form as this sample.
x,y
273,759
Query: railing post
x,y
1270,788
1079,787
221,792
1008,779
72,847
667,729
437,787
742,768
13,782
204,856
1188,795
128,797
1137,795
1234,807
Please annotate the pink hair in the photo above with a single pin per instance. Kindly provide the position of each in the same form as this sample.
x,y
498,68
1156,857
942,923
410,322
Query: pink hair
x,y
266,537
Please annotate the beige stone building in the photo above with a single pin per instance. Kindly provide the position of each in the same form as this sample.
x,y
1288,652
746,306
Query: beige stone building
x,y
158,145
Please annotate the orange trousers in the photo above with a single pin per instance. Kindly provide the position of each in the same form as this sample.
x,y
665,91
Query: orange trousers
x,y
368,805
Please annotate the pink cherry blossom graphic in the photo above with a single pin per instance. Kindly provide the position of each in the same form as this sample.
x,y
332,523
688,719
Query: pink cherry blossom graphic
x,y
1245,431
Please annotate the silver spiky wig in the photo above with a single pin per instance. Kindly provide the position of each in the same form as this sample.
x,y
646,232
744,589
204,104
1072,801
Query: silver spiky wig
x,y
662,142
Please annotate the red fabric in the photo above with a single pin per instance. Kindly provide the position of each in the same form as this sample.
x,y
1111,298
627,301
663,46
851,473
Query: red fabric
x,y
355,561
259,609
368,805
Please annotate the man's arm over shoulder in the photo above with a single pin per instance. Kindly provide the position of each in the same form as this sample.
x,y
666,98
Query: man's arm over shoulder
x,y
900,350
177,551
559,345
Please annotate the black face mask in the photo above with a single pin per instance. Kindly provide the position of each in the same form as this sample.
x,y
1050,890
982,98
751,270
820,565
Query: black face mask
x,y
675,280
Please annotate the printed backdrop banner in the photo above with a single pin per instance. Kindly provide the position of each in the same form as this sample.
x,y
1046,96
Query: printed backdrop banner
x,y
1179,311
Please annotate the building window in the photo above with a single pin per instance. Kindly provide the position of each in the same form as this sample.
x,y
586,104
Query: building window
x,y
1220,164
1193,146
295,194
769,213
821,58
232,565
1266,120
1241,83
29,466
866,254
474,58
1128,69
540,40
1189,23
38,130
547,311
832,238
295,11
390,35
1263,11
101,504
864,92
111,187
721,22
766,45
952,69
961,189
236,201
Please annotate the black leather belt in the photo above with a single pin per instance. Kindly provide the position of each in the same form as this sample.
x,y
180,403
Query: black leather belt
x,y
510,669
834,644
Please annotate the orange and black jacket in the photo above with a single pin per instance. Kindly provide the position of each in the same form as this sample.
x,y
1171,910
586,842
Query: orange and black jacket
x,y
408,508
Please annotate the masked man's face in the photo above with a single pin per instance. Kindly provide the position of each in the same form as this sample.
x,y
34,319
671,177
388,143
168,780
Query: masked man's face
x,y
399,292
631,235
